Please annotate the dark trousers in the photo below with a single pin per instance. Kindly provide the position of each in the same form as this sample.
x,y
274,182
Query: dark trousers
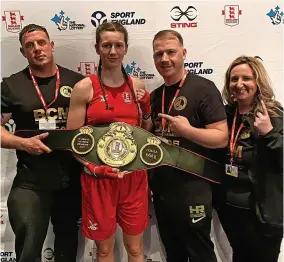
x,y
247,239
29,214
186,237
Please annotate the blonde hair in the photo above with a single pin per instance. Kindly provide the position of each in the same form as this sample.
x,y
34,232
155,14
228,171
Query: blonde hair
x,y
264,90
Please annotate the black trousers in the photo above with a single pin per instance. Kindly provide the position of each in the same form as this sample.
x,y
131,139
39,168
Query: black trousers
x,y
184,233
247,239
29,214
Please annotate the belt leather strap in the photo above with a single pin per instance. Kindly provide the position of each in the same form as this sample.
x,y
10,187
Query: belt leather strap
x,y
129,148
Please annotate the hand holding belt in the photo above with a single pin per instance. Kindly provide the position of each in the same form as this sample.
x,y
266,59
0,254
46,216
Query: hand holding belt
x,y
129,148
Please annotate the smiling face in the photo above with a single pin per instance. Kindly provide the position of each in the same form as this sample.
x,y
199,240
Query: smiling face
x,y
242,83
169,56
37,48
111,48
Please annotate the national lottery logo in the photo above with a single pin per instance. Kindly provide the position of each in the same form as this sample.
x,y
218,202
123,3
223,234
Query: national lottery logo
x,y
124,18
197,68
64,22
184,18
276,16
134,70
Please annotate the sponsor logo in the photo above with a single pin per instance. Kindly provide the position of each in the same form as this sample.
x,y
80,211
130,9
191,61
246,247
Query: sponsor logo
x,y
58,114
48,253
64,22
13,20
197,68
276,16
7,256
93,226
183,19
10,126
87,68
66,91
134,70
127,97
180,103
124,18
197,213
98,18
231,14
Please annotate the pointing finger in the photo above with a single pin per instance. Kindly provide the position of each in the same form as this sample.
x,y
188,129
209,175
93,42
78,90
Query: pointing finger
x,y
265,112
167,117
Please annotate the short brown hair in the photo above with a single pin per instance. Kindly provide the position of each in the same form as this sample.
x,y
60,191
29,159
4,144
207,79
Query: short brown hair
x,y
31,28
170,34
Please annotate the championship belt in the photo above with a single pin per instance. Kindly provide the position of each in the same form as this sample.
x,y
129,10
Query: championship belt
x,y
128,148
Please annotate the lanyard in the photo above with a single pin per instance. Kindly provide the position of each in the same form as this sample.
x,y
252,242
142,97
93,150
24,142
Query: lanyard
x,y
171,105
39,92
233,140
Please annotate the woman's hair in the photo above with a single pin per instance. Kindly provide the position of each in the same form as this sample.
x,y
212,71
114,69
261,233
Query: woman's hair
x,y
264,91
113,27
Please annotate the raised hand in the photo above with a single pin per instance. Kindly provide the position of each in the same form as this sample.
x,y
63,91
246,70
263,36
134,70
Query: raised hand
x,y
262,121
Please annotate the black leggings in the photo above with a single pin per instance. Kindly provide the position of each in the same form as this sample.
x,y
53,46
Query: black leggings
x,y
29,214
247,240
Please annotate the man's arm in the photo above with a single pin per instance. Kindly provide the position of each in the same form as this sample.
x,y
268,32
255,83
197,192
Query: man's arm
x,y
214,135
31,145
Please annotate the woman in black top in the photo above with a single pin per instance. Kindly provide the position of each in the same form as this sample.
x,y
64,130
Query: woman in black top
x,y
251,206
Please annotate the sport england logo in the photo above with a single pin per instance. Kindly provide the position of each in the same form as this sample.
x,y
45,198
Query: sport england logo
x,y
178,14
124,18
197,68
98,18
134,70
10,126
13,20
231,14
87,68
64,22
276,16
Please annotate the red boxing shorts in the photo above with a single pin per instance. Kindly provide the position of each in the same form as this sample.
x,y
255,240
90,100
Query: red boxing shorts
x,y
106,202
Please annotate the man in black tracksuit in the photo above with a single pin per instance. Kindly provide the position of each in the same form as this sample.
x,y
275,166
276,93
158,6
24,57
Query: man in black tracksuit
x,y
47,184
194,118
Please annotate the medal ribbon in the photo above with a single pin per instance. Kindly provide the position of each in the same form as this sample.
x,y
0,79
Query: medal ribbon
x,y
171,105
233,140
39,92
